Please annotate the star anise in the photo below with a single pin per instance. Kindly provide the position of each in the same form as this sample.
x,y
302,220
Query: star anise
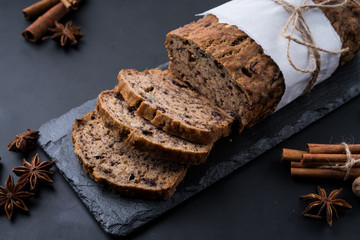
x,y
24,142
11,195
323,202
34,171
67,35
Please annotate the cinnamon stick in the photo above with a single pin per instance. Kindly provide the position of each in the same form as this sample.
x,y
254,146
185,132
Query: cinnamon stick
x,y
36,30
326,159
319,164
323,173
38,8
292,155
331,148
323,161
296,165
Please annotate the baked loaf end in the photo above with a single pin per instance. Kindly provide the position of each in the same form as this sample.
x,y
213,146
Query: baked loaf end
x,y
226,66
115,165
143,135
173,106
346,22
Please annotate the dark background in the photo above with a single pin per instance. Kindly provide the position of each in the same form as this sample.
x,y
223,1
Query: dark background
x,y
39,82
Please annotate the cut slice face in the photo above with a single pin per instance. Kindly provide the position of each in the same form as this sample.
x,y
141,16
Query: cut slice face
x,y
117,166
142,135
173,106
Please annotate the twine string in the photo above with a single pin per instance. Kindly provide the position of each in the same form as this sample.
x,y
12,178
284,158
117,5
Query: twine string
x,y
71,4
346,167
296,22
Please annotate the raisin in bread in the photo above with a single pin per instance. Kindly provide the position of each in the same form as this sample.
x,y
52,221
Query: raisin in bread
x,y
173,106
227,66
142,135
115,165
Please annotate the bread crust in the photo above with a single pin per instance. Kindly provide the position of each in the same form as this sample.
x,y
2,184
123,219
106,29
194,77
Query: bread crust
x,y
156,150
86,167
131,191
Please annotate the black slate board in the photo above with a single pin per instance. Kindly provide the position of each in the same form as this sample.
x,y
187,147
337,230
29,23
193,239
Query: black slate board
x,y
120,216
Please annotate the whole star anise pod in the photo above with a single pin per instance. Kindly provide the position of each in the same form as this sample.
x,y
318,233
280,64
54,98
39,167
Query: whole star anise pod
x,y
323,202
32,172
24,142
11,195
67,35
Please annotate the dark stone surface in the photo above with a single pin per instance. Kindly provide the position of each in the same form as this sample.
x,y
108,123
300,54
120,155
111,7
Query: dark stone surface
x,y
259,200
120,216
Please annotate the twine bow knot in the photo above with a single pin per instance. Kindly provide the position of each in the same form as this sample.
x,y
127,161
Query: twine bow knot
x,y
297,22
350,162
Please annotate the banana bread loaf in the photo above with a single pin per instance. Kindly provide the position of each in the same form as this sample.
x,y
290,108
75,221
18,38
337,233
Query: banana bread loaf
x,y
143,135
227,66
115,165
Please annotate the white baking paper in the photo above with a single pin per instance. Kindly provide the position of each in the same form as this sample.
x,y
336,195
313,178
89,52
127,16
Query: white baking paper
x,y
264,20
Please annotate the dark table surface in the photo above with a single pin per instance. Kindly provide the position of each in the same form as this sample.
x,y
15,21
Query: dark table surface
x,y
39,82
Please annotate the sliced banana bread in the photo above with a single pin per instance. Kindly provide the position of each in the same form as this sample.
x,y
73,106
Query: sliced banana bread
x,y
173,106
142,135
228,67
117,166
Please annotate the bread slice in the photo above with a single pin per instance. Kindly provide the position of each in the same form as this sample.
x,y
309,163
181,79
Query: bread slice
x,y
124,170
173,106
142,135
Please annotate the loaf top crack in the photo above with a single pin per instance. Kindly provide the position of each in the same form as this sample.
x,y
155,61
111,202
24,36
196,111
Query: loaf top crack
x,y
173,106
117,166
